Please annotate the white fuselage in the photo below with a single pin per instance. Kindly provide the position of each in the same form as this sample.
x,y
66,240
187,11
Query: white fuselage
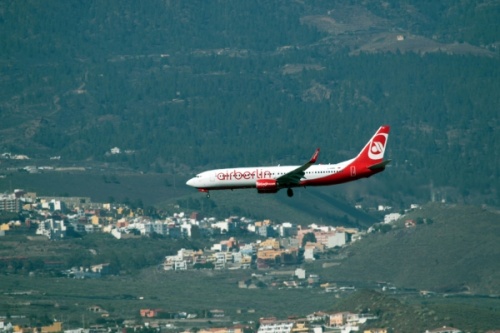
x,y
247,177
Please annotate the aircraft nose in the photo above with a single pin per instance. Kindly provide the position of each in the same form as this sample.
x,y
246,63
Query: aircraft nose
x,y
191,182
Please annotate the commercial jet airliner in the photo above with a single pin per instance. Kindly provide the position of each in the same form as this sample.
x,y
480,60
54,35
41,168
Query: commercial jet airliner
x,y
273,178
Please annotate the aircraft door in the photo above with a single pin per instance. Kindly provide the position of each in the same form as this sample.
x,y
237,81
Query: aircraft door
x,y
353,171
212,177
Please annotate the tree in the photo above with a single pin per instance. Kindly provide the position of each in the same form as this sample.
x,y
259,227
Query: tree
x,y
309,237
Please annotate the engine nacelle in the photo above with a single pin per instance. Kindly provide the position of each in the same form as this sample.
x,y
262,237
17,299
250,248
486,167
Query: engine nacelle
x,y
266,185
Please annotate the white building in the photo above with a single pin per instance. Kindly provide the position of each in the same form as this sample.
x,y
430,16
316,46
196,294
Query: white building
x,y
309,252
222,225
391,217
5,327
52,229
9,203
277,327
186,229
445,329
300,273
287,229
237,257
338,239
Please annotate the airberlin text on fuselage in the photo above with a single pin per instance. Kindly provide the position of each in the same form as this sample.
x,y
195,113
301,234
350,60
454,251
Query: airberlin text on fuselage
x,y
238,175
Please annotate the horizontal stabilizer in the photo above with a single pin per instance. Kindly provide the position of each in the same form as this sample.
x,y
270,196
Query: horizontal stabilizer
x,y
379,166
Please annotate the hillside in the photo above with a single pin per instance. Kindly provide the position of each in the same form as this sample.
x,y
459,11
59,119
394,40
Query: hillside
x,y
406,315
454,250
181,87
331,206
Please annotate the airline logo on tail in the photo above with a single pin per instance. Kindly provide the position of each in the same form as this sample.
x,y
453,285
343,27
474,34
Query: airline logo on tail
x,y
377,146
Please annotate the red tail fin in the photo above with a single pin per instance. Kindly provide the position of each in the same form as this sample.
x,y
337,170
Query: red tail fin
x,y
373,152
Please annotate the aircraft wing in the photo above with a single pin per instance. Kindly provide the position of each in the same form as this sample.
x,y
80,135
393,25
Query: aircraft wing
x,y
294,176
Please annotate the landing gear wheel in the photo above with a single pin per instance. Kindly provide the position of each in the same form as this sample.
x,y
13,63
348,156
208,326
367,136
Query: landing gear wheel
x,y
289,192
208,194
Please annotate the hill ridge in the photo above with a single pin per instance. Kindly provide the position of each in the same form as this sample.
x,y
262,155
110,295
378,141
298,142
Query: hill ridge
x,y
452,249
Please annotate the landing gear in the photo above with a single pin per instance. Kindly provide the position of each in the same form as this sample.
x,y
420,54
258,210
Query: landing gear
x,y
204,190
289,192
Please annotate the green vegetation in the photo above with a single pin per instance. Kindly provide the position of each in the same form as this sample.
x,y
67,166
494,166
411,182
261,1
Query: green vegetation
x,y
415,314
309,237
458,252
7,216
454,259
125,256
181,87
194,291
129,187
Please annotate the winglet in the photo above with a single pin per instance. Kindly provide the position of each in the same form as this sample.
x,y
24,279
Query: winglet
x,y
293,177
314,157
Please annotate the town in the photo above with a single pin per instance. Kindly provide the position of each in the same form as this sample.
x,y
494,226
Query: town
x,y
60,218
273,260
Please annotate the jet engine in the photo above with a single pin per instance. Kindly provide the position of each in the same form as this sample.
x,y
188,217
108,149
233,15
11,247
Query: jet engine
x,y
266,185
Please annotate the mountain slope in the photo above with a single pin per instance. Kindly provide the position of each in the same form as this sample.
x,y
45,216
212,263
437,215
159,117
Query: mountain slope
x,y
402,315
454,250
187,86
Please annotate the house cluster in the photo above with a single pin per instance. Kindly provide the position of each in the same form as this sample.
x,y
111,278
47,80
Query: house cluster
x,y
10,156
282,244
93,271
56,327
11,202
287,248
164,314
20,200
286,237
339,322
117,151
58,217
319,322
106,217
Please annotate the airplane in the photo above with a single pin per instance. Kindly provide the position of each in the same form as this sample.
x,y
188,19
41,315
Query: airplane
x,y
271,179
